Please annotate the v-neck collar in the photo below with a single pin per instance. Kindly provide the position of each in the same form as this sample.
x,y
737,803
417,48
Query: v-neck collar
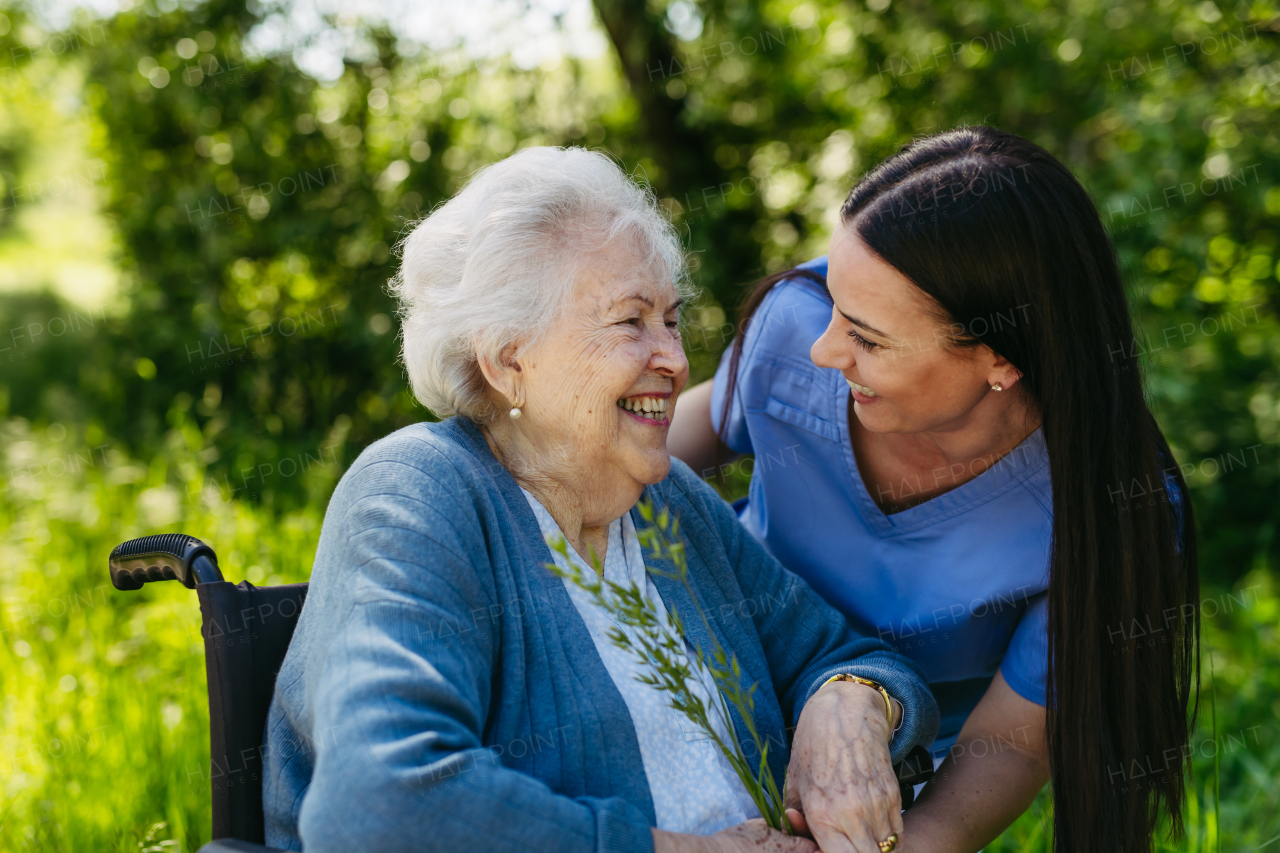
x,y
1025,461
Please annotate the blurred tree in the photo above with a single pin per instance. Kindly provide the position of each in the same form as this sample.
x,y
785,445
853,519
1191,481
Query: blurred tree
x,y
1164,109
258,208
257,211
251,207
15,135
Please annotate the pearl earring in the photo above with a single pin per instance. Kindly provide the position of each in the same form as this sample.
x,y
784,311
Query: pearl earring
x,y
515,413
997,387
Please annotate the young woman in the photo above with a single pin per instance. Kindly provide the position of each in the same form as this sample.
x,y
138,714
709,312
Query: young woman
x,y
953,448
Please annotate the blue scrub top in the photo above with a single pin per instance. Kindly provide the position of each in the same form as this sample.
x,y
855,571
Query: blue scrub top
x,y
957,583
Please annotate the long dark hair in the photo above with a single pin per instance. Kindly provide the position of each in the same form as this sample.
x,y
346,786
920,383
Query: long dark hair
x,y
992,226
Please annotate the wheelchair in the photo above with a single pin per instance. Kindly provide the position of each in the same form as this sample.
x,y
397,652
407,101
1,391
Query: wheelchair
x,y
246,631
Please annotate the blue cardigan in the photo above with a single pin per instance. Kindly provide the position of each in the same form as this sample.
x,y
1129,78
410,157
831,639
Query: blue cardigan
x,y
442,693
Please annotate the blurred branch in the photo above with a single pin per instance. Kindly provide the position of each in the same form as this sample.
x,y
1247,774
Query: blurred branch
x,y
647,56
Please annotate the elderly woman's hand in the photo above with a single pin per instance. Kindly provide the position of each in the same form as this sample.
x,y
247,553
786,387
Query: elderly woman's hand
x,y
753,836
841,776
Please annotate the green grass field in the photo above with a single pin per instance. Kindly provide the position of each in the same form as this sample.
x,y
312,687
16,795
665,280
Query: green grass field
x,y
105,724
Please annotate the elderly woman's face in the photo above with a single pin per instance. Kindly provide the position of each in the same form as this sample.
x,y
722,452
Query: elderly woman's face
x,y
602,385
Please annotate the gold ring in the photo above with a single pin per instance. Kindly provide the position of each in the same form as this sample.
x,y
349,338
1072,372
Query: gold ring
x,y
889,843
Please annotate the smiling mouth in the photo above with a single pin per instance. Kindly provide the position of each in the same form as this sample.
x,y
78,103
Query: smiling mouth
x,y
652,409
862,389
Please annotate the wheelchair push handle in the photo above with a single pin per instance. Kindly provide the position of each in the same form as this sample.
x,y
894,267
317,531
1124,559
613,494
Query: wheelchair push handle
x,y
170,556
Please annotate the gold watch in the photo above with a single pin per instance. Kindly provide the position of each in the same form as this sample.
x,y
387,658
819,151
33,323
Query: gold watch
x,y
857,679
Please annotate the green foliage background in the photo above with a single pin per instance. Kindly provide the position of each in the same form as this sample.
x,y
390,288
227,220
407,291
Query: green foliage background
x,y
251,214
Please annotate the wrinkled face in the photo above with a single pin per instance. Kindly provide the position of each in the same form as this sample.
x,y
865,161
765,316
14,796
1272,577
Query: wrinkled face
x,y
886,338
600,387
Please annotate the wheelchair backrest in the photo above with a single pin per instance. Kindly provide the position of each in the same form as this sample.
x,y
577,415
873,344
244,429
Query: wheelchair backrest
x,y
246,632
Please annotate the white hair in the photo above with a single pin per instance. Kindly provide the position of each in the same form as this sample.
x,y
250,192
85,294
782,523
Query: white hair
x,y
495,264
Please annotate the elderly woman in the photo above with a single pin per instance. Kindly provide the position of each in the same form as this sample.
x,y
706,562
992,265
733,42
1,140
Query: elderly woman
x,y
444,690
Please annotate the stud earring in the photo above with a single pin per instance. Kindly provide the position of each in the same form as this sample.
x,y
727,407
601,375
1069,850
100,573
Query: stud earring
x,y
515,413
996,387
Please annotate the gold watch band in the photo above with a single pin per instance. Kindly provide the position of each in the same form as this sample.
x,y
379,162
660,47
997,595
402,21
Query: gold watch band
x,y
857,679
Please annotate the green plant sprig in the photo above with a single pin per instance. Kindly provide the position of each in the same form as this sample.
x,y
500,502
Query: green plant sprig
x,y
659,646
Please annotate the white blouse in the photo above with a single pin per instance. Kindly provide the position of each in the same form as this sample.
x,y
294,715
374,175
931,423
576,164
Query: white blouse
x,y
694,788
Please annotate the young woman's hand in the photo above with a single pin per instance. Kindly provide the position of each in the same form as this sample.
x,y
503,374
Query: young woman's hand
x,y
841,776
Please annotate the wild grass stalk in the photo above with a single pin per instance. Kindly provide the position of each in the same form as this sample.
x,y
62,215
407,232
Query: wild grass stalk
x,y
659,645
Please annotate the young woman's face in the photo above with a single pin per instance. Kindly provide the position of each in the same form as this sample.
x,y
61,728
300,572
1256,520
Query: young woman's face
x,y
904,371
